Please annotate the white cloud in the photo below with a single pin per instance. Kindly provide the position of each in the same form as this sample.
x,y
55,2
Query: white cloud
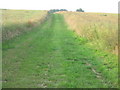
x,y
110,6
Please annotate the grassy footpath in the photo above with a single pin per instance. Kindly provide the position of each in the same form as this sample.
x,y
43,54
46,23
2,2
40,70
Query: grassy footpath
x,y
52,56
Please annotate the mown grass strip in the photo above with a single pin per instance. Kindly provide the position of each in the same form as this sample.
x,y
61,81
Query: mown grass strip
x,y
53,56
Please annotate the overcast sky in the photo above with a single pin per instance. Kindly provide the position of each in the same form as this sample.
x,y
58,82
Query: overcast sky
x,y
108,6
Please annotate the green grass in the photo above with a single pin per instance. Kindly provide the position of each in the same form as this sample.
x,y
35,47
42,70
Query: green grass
x,y
50,56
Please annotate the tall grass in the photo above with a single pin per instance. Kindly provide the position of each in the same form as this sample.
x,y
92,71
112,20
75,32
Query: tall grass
x,y
101,29
16,22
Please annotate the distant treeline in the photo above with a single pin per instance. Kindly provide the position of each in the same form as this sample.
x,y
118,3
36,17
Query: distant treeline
x,y
80,10
56,10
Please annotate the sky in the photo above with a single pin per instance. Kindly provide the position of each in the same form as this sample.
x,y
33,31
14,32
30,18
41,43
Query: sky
x,y
107,6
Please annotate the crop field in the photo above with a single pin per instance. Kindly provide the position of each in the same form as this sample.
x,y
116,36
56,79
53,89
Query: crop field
x,y
16,22
101,29
59,50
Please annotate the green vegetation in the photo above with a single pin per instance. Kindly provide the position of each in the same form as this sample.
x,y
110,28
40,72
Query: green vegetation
x,y
99,28
51,55
80,10
16,22
56,10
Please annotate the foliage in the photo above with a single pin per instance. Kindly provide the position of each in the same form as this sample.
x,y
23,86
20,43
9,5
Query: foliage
x,y
79,10
56,10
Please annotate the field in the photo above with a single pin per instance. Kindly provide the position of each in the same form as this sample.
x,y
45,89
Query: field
x,y
101,29
54,55
16,22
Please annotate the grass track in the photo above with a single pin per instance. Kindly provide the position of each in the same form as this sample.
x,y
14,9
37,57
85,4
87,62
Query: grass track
x,y
50,57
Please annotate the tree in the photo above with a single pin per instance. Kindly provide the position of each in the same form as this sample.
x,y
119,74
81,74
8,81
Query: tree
x,y
56,10
79,10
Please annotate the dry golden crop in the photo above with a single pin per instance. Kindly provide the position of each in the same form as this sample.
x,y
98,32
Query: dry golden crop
x,y
99,28
16,22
